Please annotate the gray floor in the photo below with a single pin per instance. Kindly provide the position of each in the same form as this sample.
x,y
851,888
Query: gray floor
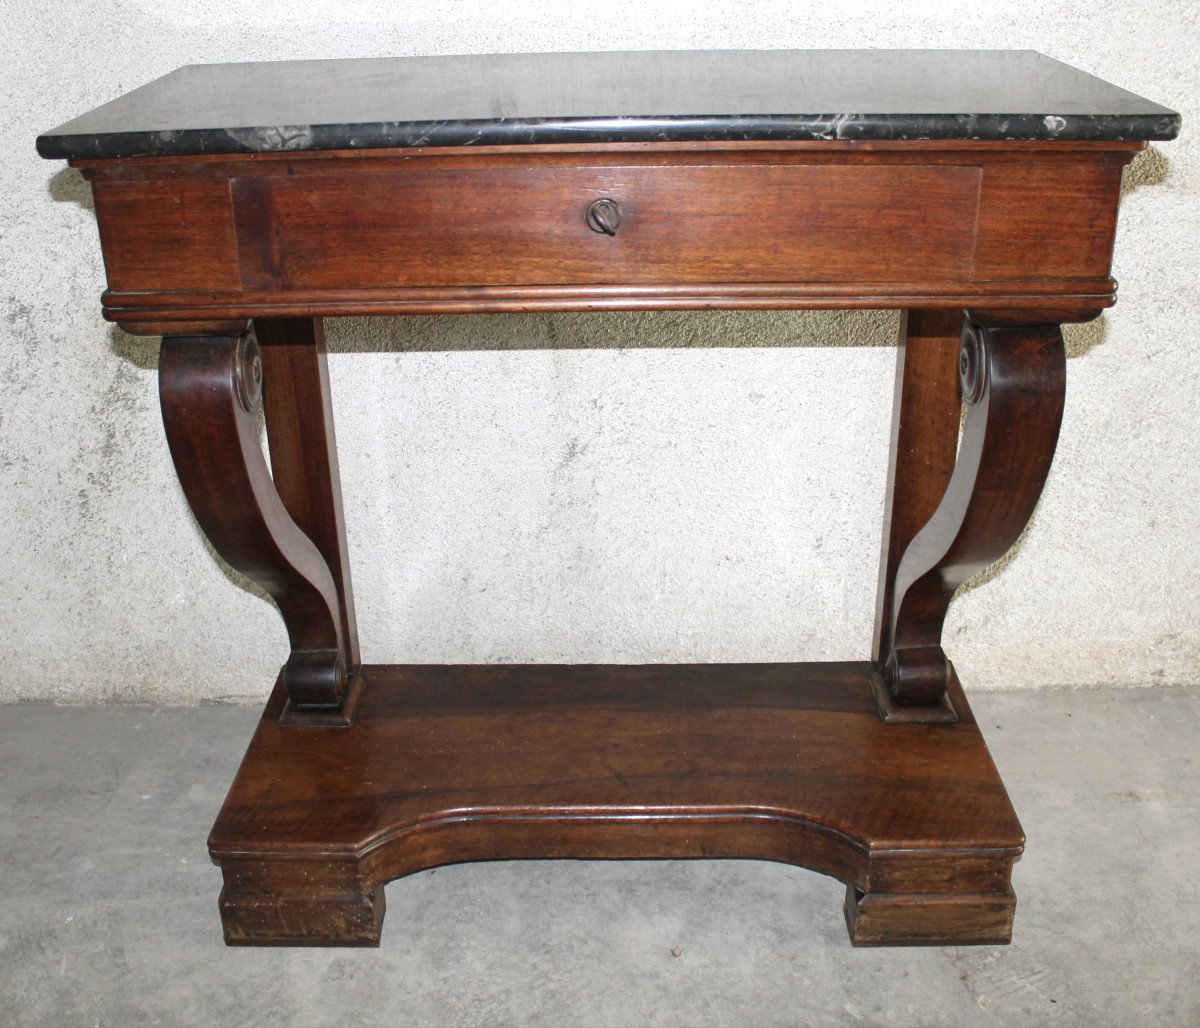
x,y
108,912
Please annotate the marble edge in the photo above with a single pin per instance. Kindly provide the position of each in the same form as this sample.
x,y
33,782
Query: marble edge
x,y
1162,125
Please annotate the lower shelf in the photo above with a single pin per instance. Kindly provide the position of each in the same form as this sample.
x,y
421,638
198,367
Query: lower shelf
x,y
450,763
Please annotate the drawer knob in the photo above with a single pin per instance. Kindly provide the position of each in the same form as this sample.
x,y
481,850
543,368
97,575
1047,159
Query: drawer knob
x,y
604,216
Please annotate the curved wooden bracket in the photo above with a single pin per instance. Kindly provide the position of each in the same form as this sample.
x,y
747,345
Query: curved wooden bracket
x,y
1013,380
210,389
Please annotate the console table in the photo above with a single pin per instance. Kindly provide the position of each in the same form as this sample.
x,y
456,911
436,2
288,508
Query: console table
x,y
977,191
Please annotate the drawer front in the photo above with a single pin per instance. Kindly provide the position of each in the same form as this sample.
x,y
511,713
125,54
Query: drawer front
x,y
681,224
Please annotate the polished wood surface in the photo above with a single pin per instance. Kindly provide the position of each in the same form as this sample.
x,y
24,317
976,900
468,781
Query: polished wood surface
x,y
1013,381
210,388
276,235
926,409
681,223
304,463
785,762
989,231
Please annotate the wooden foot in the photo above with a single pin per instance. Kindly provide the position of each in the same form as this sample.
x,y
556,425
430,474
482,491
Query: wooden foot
x,y
307,919
929,919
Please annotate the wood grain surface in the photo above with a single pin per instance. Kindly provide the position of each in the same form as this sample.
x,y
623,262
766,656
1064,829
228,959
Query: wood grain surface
x,y
784,762
952,225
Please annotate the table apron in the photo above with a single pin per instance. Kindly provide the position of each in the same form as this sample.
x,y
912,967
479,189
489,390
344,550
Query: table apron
x,y
244,238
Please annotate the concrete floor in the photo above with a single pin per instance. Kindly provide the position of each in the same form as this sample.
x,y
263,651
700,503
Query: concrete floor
x,y
108,900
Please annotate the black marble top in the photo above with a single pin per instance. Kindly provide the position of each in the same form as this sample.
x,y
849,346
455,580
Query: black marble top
x,y
610,97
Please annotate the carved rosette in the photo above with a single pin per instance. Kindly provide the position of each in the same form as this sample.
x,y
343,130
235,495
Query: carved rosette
x,y
973,364
248,372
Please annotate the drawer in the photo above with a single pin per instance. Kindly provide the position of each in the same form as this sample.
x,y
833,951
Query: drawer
x,y
701,223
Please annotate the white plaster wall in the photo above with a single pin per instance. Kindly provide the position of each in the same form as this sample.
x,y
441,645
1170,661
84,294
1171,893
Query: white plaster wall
x,y
715,495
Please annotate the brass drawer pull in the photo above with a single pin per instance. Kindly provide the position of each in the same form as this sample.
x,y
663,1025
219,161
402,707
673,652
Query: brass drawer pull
x,y
604,216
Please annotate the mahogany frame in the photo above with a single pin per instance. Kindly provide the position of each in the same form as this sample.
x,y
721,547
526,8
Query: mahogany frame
x,y
359,774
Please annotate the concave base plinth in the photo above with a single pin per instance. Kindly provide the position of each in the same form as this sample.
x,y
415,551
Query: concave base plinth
x,y
786,762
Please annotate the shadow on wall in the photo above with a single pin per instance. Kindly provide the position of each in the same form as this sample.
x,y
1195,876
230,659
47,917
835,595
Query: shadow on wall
x,y
612,330
69,186
1148,168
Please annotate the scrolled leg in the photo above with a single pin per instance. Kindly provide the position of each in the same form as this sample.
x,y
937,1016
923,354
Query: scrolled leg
x,y
210,388
1012,380
304,463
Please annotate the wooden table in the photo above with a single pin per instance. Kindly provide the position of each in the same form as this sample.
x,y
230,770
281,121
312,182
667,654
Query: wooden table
x,y
239,204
